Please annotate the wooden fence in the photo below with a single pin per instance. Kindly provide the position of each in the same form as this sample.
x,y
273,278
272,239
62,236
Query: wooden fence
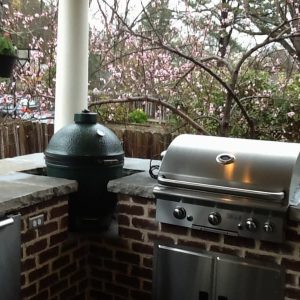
x,y
25,137
142,141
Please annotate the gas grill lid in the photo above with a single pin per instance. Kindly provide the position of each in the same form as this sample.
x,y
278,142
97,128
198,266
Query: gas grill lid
x,y
252,168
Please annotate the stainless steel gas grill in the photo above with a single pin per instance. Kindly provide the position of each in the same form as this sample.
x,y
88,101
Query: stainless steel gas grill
x,y
227,185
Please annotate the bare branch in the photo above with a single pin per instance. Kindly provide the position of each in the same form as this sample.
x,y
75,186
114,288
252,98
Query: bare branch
x,y
217,58
267,41
103,14
122,56
126,9
151,25
198,63
158,101
184,75
201,117
250,98
214,75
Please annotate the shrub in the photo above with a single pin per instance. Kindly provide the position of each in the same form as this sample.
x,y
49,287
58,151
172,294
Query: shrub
x,y
6,46
138,116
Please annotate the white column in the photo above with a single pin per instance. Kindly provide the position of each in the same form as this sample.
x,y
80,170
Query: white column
x,y
72,61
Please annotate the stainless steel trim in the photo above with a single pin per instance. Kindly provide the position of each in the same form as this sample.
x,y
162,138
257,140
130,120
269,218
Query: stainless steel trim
x,y
214,198
180,250
222,231
224,189
6,222
10,260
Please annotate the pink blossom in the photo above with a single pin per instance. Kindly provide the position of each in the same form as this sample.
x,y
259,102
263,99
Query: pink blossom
x,y
291,114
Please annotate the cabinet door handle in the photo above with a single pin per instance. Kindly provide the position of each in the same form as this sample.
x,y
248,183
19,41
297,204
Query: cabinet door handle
x,y
6,222
203,295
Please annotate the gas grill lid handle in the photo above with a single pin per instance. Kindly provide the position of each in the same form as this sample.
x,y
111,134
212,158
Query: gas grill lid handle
x,y
217,188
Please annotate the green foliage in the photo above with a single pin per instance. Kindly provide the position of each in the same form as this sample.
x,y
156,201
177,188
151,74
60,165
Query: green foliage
x,y
254,82
119,114
6,46
138,116
160,17
273,102
112,113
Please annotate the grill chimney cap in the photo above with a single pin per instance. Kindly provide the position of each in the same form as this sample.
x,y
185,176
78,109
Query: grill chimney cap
x,y
85,117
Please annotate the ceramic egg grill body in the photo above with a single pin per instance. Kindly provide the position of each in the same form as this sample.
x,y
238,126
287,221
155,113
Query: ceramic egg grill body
x,y
91,154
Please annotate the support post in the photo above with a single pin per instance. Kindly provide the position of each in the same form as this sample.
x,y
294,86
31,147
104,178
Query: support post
x,y
71,95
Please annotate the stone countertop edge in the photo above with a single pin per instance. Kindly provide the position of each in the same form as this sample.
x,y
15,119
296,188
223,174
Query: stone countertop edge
x,y
139,184
36,189
20,190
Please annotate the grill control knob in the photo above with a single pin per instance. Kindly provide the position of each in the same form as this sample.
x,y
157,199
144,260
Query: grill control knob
x,y
250,224
268,227
214,218
179,213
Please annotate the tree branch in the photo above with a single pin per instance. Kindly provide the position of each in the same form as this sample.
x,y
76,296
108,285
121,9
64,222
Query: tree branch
x,y
250,98
190,70
267,41
158,101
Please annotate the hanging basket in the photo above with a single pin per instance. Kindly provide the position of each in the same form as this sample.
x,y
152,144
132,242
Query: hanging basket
x,y
7,63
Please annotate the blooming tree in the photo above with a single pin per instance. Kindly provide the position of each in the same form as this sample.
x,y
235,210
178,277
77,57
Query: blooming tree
x,y
227,67
212,61
32,26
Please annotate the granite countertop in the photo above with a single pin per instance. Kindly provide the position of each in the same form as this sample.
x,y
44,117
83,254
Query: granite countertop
x,y
138,184
19,188
21,184
22,163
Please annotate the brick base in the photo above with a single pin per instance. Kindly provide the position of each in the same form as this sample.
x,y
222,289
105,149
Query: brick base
x,y
53,262
58,265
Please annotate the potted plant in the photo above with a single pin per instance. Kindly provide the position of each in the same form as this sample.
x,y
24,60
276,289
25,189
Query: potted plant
x,y
7,56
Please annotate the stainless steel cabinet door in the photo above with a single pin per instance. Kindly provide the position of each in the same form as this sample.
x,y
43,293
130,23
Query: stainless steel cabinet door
x,y
242,280
10,258
182,275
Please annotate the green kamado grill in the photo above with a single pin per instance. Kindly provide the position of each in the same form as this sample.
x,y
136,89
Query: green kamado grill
x,y
92,154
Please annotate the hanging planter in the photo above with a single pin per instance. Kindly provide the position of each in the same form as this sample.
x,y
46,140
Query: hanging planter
x,y
7,56
7,63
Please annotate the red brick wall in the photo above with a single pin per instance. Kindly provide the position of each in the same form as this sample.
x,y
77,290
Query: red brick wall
x,y
54,262
57,265
122,269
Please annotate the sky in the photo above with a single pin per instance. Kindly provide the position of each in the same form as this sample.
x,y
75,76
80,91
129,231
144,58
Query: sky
x,y
135,7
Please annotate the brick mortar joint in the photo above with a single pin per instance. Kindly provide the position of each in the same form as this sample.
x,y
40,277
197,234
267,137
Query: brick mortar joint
x,y
35,207
42,237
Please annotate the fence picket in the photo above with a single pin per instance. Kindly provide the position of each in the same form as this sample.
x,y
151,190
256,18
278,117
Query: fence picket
x,y
24,137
